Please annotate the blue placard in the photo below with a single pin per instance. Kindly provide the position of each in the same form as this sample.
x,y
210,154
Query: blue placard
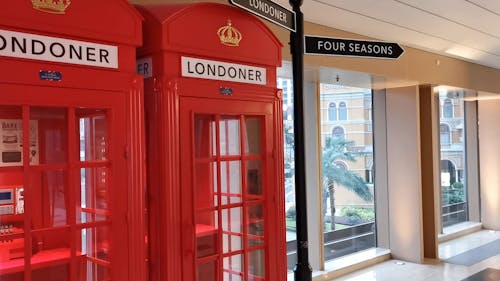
x,y
50,75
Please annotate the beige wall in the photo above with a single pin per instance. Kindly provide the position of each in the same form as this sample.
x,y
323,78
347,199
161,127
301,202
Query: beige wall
x,y
489,153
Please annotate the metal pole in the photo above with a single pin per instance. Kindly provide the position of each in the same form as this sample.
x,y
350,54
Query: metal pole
x,y
302,270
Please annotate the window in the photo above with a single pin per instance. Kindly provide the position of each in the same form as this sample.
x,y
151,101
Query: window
x,y
454,205
348,211
332,112
448,108
338,133
444,132
342,111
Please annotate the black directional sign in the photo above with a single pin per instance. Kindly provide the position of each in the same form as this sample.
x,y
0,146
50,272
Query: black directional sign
x,y
268,10
354,48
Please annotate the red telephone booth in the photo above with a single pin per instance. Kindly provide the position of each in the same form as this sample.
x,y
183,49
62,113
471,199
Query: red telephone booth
x,y
71,160
214,128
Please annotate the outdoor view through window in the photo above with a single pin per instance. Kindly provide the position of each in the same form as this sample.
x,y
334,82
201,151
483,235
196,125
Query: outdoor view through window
x,y
347,184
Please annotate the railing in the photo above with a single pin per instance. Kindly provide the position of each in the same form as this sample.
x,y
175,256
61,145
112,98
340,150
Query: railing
x,y
454,213
340,242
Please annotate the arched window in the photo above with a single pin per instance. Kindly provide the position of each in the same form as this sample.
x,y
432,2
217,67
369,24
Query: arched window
x,y
444,133
338,132
448,108
342,111
332,111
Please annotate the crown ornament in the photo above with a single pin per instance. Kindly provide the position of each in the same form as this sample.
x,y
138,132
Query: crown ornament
x,y
51,6
229,35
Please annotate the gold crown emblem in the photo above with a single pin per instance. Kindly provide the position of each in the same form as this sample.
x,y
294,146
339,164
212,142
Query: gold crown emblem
x,y
229,35
51,6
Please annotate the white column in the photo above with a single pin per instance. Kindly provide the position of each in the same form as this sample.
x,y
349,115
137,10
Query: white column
x,y
313,185
403,174
489,155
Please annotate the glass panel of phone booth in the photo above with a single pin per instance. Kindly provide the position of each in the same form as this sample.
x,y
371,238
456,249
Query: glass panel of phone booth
x,y
49,191
11,194
51,145
225,225
92,194
51,248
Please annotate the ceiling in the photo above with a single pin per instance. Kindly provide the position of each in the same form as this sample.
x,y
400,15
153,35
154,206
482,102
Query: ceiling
x,y
464,29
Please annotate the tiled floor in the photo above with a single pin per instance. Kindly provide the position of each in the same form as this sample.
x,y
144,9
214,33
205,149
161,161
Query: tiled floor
x,y
433,270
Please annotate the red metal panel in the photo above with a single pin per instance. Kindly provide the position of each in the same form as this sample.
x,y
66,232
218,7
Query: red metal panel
x,y
192,29
111,20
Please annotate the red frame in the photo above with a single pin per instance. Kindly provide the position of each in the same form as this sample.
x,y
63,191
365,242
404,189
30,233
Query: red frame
x,y
172,32
119,90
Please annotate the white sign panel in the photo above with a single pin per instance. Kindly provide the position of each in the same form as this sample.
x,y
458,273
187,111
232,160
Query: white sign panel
x,y
145,67
216,70
445,179
11,142
45,48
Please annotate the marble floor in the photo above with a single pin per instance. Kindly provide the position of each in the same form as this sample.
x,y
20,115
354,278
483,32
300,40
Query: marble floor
x,y
436,270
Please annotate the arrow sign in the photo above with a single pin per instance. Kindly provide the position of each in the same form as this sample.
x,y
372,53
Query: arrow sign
x,y
268,10
353,48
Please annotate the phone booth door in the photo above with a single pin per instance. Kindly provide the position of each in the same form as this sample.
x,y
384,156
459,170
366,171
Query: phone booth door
x,y
61,163
225,149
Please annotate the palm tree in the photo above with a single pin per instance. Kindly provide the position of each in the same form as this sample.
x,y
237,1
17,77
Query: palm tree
x,y
333,174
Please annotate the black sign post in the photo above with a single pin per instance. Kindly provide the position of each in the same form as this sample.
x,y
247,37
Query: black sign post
x,y
315,45
302,270
268,10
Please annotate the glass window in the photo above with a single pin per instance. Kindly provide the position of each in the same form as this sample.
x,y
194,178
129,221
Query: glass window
x,y
348,201
454,205
332,112
444,134
447,108
342,111
338,133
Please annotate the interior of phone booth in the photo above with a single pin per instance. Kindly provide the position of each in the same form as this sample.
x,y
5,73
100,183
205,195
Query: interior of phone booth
x,y
47,238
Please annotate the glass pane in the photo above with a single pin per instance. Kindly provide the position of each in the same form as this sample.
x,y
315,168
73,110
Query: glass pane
x,y
229,135
232,229
204,132
255,219
92,201
49,192
253,135
231,182
51,246
205,184
95,243
207,271
347,153
51,273
254,177
89,271
233,268
257,264
206,233
17,276
11,137
50,126
452,157
93,134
